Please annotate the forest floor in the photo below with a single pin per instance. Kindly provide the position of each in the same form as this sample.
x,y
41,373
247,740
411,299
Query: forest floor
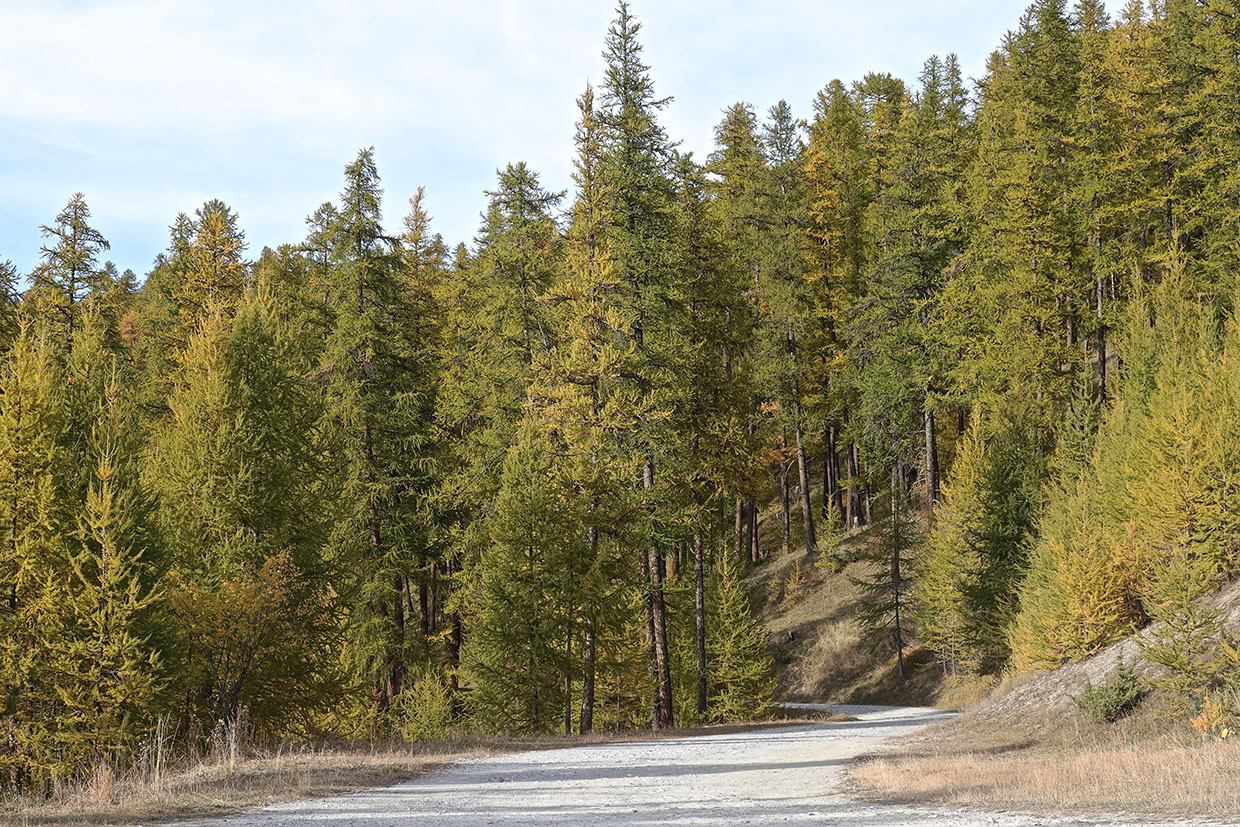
x,y
808,606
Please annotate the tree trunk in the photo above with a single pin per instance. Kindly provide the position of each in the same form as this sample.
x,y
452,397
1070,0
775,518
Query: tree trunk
x,y
853,501
785,505
932,461
896,584
658,622
831,477
1101,345
586,723
754,555
568,684
424,607
699,617
740,529
807,509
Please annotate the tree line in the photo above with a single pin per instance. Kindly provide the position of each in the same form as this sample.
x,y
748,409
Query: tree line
x,y
367,485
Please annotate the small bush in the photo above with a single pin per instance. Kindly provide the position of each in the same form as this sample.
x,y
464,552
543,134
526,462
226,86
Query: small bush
x,y
794,585
1114,699
424,709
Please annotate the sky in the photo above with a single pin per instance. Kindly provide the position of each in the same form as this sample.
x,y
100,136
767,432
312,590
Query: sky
x,y
152,107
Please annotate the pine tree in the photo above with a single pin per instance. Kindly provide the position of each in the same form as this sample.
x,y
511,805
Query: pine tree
x,y
212,271
522,622
69,269
109,671
635,160
33,565
741,682
884,608
838,194
380,400
584,394
246,504
8,304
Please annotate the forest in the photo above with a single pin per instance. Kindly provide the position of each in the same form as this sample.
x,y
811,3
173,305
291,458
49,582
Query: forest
x,y
365,485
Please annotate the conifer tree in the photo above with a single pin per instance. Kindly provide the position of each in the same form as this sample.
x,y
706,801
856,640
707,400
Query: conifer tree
x,y
884,609
246,504
837,198
381,402
8,304
33,565
109,670
636,156
742,685
212,272
69,269
584,393
524,612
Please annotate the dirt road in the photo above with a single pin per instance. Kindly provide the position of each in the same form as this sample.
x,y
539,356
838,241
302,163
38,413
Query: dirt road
x,y
762,777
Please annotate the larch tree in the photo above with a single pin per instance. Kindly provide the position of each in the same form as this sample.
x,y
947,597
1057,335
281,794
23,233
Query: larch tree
x,y
636,165
69,269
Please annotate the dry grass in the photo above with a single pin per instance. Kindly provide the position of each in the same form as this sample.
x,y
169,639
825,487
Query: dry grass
x,y
290,774
818,646
1129,776
1057,760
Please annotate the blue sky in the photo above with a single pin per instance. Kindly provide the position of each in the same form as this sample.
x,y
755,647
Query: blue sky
x,y
152,107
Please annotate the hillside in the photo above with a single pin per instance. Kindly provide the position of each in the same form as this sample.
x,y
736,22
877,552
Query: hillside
x,y
808,609
1028,746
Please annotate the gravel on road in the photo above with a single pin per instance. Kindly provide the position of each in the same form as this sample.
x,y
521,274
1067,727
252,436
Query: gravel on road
x,y
767,776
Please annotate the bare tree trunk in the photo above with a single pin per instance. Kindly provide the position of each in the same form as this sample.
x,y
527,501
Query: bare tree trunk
x,y
754,555
586,722
658,622
432,609
807,508
831,477
568,684
699,616
785,505
854,490
896,583
740,529
1101,345
424,607
932,462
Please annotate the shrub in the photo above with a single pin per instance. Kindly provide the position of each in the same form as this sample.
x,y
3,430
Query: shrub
x,y
424,709
794,584
1114,699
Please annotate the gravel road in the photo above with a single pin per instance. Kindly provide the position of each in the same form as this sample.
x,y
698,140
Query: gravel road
x,y
782,775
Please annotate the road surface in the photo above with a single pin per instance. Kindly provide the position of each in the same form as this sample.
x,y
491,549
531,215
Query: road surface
x,y
779,775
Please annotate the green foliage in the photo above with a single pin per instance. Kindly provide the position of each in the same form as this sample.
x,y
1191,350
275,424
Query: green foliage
x,y
741,681
1110,701
884,610
524,602
975,555
360,488
424,710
